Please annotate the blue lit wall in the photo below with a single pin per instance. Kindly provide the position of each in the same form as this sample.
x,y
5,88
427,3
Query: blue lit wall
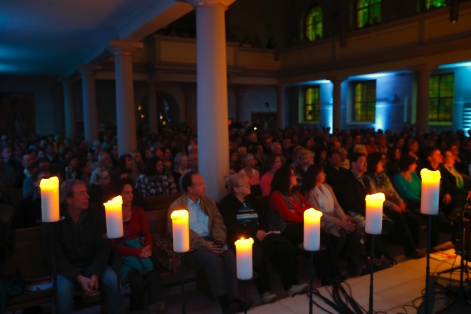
x,y
462,94
394,94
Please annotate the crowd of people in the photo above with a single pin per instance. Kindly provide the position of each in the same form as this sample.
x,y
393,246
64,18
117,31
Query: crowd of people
x,y
274,176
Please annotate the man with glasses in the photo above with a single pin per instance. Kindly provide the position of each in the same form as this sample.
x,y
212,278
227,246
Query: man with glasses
x,y
208,248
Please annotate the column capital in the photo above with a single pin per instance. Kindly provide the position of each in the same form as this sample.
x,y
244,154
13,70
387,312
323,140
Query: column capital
x,y
339,79
202,3
425,68
124,47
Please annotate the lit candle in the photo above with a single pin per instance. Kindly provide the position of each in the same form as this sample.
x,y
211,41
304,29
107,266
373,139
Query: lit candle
x,y
312,229
49,199
430,193
180,230
374,213
114,217
244,258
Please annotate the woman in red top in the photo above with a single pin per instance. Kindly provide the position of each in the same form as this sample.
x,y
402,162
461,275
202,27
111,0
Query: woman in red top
x,y
286,214
135,250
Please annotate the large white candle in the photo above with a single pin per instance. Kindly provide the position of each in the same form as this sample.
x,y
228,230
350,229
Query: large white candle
x,y
312,229
180,230
430,193
114,217
244,258
374,213
49,199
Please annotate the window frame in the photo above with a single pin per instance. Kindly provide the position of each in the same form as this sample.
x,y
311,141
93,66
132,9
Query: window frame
x,y
368,104
311,27
316,104
371,9
441,98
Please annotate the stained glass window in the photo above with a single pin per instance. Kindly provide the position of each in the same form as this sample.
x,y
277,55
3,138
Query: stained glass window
x,y
364,108
314,23
312,104
368,12
441,98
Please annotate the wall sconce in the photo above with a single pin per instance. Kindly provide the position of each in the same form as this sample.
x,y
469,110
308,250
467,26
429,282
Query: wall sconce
x,y
454,11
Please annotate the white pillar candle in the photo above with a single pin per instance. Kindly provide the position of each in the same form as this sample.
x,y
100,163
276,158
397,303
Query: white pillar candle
x,y
180,230
244,258
49,199
374,213
430,193
312,229
114,217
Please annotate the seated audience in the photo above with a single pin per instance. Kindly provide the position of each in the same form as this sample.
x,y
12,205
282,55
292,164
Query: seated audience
x,y
274,162
344,231
154,180
99,187
135,251
245,217
249,163
29,213
208,246
286,214
81,252
406,223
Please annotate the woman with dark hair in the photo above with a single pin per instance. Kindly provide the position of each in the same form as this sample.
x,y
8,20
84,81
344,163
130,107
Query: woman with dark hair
x,y
407,181
406,223
126,161
135,251
274,162
154,180
286,214
345,233
245,217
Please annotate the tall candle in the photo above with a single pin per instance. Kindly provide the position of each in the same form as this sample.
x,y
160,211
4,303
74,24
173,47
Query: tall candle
x,y
114,217
49,199
312,229
430,192
244,258
180,230
374,213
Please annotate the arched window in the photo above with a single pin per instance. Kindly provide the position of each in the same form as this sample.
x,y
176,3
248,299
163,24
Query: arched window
x,y
314,23
368,12
433,4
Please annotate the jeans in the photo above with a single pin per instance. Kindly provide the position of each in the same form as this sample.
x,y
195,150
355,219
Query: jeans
x,y
108,283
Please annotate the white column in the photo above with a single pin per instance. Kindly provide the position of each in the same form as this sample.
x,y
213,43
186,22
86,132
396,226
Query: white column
x,y
152,112
212,103
90,118
125,107
69,109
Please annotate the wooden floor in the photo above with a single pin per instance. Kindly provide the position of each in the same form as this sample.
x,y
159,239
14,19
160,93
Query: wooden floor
x,y
398,289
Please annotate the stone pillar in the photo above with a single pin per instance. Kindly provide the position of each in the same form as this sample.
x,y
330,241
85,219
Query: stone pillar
x,y
69,109
152,112
336,110
212,103
423,77
279,106
125,107
90,118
